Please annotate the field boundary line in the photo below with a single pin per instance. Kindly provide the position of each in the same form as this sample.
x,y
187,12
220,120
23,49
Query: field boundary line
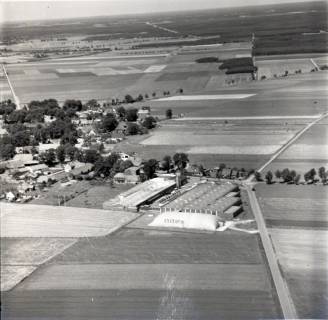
x,y
286,302
247,118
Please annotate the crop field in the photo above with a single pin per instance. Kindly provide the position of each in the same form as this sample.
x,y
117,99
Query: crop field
x,y
31,220
310,151
278,67
21,256
294,206
302,256
147,276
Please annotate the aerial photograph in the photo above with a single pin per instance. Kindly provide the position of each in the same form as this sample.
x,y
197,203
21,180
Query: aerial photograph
x,y
164,159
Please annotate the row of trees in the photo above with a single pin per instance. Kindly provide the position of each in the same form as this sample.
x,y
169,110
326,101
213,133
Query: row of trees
x,y
291,176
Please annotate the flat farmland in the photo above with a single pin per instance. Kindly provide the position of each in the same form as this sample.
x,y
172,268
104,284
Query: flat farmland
x,y
146,275
309,151
278,67
294,206
302,256
243,144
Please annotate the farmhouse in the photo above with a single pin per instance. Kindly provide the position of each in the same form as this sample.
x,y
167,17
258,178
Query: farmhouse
x,y
143,113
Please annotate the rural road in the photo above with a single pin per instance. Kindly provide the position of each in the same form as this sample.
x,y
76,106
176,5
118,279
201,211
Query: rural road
x,y
16,100
288,144
246,118
285,299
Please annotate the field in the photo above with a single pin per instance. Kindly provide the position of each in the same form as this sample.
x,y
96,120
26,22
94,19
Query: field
x,y
297,218
302,255
310,151
278,67
50,221
147,276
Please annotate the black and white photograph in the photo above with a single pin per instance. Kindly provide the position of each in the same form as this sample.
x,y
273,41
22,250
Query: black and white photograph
x,y
164,159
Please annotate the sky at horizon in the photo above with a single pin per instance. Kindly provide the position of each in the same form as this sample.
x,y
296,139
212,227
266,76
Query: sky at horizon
x,y
11,10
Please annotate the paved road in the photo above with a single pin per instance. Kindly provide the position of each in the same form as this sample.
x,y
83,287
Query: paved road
x,y
286,302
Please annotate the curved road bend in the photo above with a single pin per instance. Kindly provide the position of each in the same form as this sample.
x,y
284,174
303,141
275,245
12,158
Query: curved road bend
x,y
286,302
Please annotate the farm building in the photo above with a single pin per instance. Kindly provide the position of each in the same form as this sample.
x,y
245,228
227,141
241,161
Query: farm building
x,y
141,194
208,198
143,113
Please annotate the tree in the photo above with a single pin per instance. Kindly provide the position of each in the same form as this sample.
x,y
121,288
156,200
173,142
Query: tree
x,y
7,151
168,113
21,139
92,104
109,123
297,179
129,99
222,166
49,157
285,174
154,94
121,112
132,129
146,96
312,173
180,160
166,163
61,154
91,156
258,176
71,151
103,166
149,123
132,115
149,168
278,174
140,97
322,174
269,177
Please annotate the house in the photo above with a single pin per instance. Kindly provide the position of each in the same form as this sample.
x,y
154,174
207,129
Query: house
x,y
10,196
226,173
38,168
43,147
121,128
86,168
213,173
143,113
49,119
132,175
194,170
234,174
26,149
119,178
26,159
